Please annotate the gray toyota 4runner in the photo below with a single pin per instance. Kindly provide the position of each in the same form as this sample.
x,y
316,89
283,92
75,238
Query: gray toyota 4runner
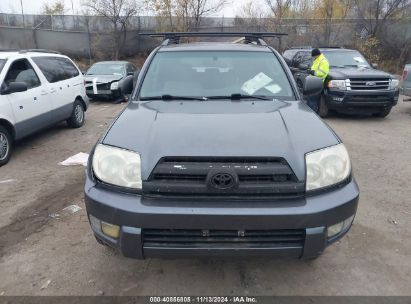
x,y
217,154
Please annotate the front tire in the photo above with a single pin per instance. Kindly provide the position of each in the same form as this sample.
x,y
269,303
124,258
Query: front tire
x,y
383,113
76,119
323,110
6,146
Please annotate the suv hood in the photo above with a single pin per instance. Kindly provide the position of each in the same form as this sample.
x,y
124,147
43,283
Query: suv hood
x,y
158,129
344,73
103,78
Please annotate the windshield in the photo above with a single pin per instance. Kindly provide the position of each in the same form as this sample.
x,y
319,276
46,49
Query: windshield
x,y
216,73
345,59
106,69
2,62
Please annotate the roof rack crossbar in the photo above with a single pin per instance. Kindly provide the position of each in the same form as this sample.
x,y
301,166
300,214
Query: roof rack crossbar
x,y
174,37
38,51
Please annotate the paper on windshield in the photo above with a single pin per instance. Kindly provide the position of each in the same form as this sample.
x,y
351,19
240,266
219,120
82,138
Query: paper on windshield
x,y
273,88
254,84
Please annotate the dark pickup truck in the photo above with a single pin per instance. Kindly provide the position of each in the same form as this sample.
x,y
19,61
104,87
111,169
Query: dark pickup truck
x,y
352,86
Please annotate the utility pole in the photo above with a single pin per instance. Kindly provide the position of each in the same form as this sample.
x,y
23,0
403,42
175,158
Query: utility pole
x,y
72,8
22,13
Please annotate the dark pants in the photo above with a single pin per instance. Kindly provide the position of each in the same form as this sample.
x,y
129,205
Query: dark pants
x,y
313,102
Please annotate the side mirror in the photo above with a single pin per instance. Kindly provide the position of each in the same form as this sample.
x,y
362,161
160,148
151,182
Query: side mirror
x,y
312,86
127,85
374,65
130,73
303,66
14,87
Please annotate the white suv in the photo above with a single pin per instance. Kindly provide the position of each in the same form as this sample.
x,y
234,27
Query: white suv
x,y
37,89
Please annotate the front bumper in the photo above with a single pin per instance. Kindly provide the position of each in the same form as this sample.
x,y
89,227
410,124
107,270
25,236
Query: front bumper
x,y
135,213
103,93
354,100
407,90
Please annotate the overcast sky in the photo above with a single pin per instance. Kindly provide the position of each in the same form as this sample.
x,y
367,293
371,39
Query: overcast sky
x,y
34,6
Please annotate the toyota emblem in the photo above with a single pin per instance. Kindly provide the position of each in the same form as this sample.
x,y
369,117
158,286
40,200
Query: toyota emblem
x,y
222,181
370,83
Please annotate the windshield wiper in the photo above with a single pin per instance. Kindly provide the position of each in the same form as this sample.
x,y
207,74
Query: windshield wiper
x,y
240,96
173,97
337,66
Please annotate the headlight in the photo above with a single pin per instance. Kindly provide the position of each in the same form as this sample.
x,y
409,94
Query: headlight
x,y
337,84
117,166
327,167
394,83
114,86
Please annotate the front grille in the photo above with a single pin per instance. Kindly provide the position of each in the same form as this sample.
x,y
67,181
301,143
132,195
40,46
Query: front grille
x,y
370,98
103,86
100,86
368,84
252,177
223,238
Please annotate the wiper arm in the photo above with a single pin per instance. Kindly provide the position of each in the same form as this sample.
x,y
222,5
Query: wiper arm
x,y
238,96
353,66
173,97
337,66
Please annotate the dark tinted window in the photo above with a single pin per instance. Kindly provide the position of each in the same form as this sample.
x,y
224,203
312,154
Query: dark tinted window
x,y
289,54
56,68
302,58
68,67
22,71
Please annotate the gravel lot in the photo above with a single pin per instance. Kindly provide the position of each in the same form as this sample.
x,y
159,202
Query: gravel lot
x,y
40,255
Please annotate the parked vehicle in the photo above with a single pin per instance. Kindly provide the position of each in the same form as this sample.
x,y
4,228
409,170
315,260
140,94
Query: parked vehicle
x,y
217,154
406,80
104,79
352,86
38,88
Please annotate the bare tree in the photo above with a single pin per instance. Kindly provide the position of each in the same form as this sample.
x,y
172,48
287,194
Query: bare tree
x,y
118,13
280,9
375,12
164,9
329,11
201,8
186,13
250,15
56,8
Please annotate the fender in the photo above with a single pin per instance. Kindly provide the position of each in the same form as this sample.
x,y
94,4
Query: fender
x,y
6,114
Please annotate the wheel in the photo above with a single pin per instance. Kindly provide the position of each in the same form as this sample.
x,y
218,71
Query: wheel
x,y
119,97
6,146
383,113
76,119
323,111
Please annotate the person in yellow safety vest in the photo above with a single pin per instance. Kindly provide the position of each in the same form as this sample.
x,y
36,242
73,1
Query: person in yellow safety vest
x,y
320,68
